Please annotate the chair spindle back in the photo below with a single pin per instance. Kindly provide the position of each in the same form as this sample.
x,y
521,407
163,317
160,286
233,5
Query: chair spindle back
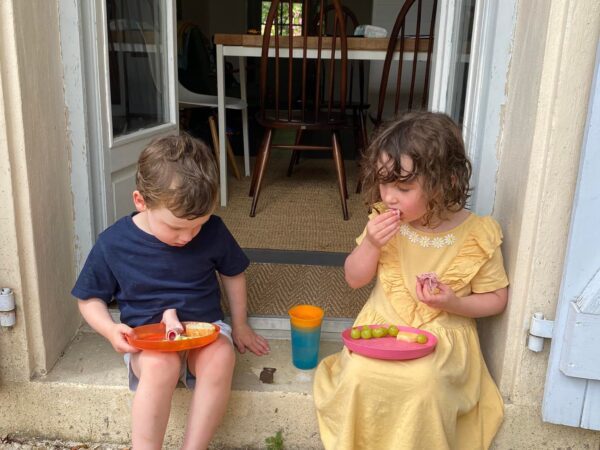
x,y
399,33
317,40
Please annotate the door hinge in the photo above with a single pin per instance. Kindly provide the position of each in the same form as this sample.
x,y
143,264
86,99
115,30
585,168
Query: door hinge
x,y
539,329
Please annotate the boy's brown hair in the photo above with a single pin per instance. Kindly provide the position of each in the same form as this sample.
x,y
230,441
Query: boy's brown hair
x,y
180,174
434,143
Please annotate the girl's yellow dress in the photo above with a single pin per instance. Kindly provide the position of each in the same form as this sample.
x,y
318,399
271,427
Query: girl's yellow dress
x,y
445,400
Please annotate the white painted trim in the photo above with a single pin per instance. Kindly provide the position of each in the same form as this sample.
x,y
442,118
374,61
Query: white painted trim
x,y
71,43
92,67
172,64
492,42
442,55
98,107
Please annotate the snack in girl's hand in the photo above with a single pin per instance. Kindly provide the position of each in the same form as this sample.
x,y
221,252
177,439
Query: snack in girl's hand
x,y
430,280
199,329
173,327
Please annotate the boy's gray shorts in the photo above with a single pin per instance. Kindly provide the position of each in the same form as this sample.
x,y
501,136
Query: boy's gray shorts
x,y
185,376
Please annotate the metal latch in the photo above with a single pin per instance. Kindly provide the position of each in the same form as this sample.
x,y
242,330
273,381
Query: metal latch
x,y
539,329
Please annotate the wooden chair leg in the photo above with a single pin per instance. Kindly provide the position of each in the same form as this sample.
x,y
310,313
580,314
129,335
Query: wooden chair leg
x,y
265,149
295,154
257,163
341,175
232,161
215,138
364,144
185,118
343,169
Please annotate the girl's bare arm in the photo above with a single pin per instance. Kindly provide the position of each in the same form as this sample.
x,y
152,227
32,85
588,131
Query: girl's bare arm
x,y
361,265
474,305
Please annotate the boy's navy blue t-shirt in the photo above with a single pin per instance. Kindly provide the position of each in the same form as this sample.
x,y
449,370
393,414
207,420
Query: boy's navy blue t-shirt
x,y
147,276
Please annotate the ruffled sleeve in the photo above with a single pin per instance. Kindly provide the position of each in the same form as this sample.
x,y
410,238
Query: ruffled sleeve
x,y
479,247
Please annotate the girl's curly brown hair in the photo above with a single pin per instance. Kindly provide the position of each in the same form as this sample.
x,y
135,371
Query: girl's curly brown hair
x,y
180,174
434,143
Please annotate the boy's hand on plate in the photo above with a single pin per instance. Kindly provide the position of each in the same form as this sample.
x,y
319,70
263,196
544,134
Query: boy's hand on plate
x,y
117,338
244,338
383,227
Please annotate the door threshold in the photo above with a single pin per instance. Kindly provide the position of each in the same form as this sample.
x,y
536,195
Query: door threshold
x,y
278,327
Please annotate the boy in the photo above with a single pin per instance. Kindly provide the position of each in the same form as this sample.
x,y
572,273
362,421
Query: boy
x,y
165,256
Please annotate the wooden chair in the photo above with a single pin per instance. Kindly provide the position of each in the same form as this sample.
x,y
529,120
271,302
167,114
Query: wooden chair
x,y
405,92
357,107
298,106
409,89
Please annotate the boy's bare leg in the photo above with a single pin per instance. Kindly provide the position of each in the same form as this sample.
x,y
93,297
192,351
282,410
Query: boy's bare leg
x,y
158,373
213,368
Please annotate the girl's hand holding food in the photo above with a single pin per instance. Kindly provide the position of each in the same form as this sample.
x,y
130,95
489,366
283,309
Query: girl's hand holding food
x,y
441,297
382,228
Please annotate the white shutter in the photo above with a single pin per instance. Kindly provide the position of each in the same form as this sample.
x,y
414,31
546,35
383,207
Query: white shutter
x,y
572,391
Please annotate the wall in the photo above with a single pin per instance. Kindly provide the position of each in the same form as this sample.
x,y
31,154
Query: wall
x,y
216,16
36,221
13,345
544,118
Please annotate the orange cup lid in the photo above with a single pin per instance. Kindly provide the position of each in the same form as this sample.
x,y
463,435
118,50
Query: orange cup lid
x,y
306,315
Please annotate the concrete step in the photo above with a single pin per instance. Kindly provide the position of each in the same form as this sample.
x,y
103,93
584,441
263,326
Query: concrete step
x,y
85,396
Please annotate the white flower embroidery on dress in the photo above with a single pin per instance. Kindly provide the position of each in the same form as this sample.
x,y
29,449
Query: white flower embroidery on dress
x,y
426,241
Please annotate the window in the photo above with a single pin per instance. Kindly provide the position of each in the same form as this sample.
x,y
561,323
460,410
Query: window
x,y
282,19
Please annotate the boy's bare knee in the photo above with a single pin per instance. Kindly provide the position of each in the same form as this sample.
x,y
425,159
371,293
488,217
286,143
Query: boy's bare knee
x,y
159,367
216,361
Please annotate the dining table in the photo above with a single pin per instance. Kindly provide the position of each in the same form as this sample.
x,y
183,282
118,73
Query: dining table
x,y
250,45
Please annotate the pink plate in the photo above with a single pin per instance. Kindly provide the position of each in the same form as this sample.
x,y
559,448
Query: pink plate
x,y
389,347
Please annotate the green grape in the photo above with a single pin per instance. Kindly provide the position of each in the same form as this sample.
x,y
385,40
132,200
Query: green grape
x,y
422,339
378,332
355,333
393,330
366,333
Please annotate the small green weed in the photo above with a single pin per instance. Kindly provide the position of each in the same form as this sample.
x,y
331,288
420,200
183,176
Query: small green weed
x,y
275,442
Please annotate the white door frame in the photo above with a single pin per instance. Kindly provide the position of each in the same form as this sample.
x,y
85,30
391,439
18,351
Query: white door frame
x,y
77,112
107,163
442,54
491,49
85,58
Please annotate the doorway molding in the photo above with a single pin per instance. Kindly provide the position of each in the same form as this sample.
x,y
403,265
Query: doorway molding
x,y
492,45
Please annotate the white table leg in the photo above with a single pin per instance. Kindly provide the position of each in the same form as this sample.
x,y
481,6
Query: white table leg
x,y
222,128
244,116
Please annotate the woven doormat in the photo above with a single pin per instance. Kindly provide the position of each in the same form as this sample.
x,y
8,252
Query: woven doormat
x,y
274,288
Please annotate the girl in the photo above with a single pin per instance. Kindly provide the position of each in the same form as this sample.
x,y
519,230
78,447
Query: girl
x,y
416,177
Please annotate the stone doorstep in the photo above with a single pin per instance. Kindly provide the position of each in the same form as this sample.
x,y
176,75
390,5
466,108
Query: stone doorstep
x,y
85,396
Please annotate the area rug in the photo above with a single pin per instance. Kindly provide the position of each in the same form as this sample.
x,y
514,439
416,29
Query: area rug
x,y
301,212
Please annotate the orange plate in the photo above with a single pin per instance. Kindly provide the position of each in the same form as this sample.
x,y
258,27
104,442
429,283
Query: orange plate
x,y
152,337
